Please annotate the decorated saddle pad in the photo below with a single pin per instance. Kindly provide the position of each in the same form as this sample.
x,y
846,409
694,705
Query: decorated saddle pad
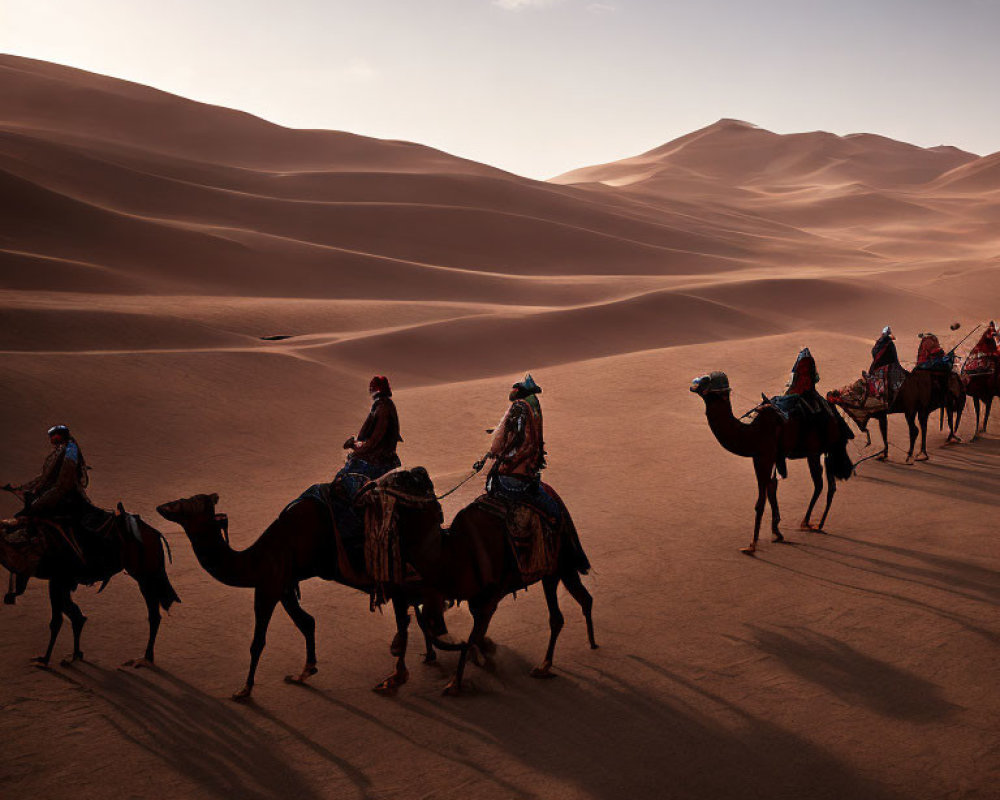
x,y
980,364
533,536
22,546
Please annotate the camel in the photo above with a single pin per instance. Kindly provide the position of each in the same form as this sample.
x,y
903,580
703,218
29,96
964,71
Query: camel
x,y
301,543
918,395
472,561
771,438
124,542
982,388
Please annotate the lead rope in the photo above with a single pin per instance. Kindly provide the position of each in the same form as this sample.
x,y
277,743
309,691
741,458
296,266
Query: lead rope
x,y
462,483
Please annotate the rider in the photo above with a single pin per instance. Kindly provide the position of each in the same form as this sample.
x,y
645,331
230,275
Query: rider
x,y
803,380
884,352
930,354
61,488
372,453
984,356
518,451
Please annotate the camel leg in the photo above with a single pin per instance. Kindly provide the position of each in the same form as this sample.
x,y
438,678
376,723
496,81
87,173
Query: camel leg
x,y
430,654
883,428
55,622
831,490
763,472
975,405
550,585
16,585
571,580
153,615
482,613
77,621
912,426
922,455
401,608
986,417
816,473
772,499
263,608
307,627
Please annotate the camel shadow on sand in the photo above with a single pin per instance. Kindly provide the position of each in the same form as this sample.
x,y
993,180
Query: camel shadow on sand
x,y
612,737
856,678
208,741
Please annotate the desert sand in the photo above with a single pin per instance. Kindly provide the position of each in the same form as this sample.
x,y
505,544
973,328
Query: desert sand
x,y
148,242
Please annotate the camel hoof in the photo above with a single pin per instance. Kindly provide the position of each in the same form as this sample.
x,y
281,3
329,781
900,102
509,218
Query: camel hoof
x,y
543,672
487,646
430,658
40,662
139,663
923,457
909,460
776,536
70,660
242,694
299,680
749,551
594,645
883,457
453,689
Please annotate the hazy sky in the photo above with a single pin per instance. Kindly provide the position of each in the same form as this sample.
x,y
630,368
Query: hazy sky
x,y
542,86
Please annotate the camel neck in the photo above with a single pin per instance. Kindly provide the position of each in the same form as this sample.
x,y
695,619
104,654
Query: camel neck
x,y
732,434
228,566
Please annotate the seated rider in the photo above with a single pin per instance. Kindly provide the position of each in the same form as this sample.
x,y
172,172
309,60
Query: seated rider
x,y
60,490
372,453
884,352
803,380
985,355
518,451
930,354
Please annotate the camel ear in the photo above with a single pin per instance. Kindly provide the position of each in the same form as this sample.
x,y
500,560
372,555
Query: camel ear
x,y
214,497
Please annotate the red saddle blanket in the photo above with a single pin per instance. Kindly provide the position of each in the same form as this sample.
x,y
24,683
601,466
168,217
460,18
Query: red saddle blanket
x,y
980,364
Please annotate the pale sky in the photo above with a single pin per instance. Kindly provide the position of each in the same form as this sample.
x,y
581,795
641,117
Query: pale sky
x,y
539,87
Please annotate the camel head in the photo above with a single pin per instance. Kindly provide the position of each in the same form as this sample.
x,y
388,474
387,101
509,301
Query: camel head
x,y
407,484
713,383
189,509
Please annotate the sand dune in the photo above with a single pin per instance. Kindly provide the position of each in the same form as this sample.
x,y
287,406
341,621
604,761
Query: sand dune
x,y
149,246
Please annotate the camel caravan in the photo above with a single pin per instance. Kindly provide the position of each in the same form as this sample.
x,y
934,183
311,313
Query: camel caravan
x,y
376,527
802,424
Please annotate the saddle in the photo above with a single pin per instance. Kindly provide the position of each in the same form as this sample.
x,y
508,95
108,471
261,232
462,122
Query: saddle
x,y
344,518
532,535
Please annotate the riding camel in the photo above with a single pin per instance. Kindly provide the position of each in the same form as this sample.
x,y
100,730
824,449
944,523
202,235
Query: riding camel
x,y
920,393
123,542
472,560
303,542
771,438
982,388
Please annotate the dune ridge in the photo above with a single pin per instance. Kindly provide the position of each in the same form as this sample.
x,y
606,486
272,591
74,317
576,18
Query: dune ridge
x,y
203,296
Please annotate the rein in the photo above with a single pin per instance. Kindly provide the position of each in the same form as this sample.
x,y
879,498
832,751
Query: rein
x,y
461,483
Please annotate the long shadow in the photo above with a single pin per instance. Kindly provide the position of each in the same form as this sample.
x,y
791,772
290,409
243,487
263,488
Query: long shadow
x,y
921,478
425,744
199,737
856,678
958,619
934,577
616,737
944,568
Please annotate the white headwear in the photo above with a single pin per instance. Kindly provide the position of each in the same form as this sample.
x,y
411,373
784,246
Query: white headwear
x,y
887,331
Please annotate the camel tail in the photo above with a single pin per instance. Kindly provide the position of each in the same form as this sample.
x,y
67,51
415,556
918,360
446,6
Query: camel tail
x,y
838,461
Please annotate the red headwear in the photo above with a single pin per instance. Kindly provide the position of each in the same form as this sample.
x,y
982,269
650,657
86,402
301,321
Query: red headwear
x,y
380,384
